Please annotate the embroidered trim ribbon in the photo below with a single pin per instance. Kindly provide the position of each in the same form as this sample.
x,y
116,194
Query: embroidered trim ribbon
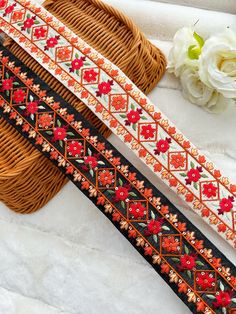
x,y
125,110
193,267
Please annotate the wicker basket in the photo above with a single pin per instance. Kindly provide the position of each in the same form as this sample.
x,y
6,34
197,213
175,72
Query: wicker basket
x,y
27,179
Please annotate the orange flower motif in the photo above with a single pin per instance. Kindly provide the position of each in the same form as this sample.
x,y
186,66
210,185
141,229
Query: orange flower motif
x,y
45,120
17,16
177,160
63,54
171,244
119,102
105,177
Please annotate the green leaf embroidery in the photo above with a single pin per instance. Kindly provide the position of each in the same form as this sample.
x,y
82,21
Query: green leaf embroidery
x,y
7,75
58,123
153,215
175,259
77,72
70,133
143,118
80,161
165,228
195,185
233,300
36,22
123,204
91,172
123,116
189,274
28,30
61,143
8,93
101,163
16,83
183,174
76,56
204,176
132,194
199,263
210,296
68,64
134,126
111,191
155,238
192,164
89,152
186,250
222,288
28,15
120,181
132,106
142,225
49,132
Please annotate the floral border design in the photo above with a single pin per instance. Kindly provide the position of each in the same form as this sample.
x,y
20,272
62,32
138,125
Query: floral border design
x,y
199,274
126,111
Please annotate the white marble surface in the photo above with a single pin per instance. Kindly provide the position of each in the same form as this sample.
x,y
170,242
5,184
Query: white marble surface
x,y
68,258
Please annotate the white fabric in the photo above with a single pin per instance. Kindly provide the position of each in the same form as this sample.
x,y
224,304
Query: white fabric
x,y
68,258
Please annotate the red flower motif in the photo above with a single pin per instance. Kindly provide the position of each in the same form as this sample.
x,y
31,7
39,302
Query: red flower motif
x,y
40,32
77,64
205,280
226,204
90,76
137,210
59,134
154,226
3,3
223,299
171,244
28,23
148,131
19,96
63,53
104,88
133,116
51,42
31,107
74,149
209,190
119,102
162,146
7,84
105,177
9,9
187,262
177,160
91,161
193,175
45,120
121,194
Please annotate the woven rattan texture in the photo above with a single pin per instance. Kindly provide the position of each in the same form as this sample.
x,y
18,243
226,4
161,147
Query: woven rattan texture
x,y
27,179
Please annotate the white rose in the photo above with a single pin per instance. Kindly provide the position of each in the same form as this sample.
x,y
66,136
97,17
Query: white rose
x,y
198,93
178,57
217,63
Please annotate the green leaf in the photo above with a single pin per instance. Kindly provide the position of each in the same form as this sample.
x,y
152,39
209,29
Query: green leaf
x,y
8,93
123,116
143,118
194,52
186,249
189,274
199,39
165,228
89,152
175,259
68,64
123,204
155,238
195,185
132,106
28,15
132,194
210,296
58,122
7,75
153,215
224,311
61,143
16,83
204,176
28,30
233,300
134,126
142,225
36,22
101,163
222,288
77,72
76,56
80,161
199,263
91,172
111,191
87,63
192,164
183,174
120,181
70,133
49,132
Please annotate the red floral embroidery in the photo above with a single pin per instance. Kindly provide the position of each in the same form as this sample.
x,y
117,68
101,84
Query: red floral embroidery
x,y
133,116
104,88
177,161
119,102
91,161
170,244
75,149
105,177
121,193
45,120
162,146
3,3
59,134
19,96
90,76
31,107
28,23
148,131
17,15
51,42
193,175
40,32
63,54
209,190
223,299
137,210
187,262
7,84
226,204
9,9
77,64
205,280
154,226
